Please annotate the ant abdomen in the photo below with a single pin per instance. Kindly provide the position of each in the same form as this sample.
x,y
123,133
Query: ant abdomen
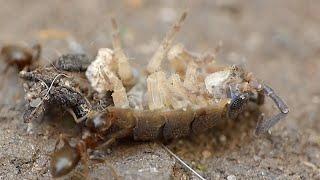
x,y
64,160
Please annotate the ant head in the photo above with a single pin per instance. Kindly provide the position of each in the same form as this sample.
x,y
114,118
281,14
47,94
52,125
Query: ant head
x,y
99,122
64,160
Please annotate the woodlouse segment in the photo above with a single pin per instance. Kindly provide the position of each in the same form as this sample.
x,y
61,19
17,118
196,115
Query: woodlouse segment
x,y
151,125
208,117
177,123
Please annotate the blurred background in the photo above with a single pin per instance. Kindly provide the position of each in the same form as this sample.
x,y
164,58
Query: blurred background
x,y
277,40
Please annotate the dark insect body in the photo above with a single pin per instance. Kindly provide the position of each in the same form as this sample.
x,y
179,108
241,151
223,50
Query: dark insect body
x,y
73,62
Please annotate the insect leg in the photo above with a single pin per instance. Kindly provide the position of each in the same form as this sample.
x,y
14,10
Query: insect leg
x,y
124,69
265,125
81,147
3,77
114,137
155,62
37,52
74,116
62,138
258,99
109,165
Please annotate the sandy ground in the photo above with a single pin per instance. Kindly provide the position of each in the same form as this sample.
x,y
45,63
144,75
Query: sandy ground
x,y
277,40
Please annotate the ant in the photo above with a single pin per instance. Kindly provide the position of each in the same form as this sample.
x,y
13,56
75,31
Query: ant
x,y
20,57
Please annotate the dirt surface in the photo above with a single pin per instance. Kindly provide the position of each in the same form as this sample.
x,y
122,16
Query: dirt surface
x,y
277,40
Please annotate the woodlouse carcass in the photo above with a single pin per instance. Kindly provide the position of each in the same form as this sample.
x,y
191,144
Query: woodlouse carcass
x,y
188,97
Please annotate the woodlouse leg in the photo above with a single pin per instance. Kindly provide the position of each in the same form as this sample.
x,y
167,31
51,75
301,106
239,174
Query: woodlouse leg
x,y
155,62
124,69
264,125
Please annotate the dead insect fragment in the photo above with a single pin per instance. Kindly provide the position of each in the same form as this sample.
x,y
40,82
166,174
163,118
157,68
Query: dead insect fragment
x,y
55,90
73,62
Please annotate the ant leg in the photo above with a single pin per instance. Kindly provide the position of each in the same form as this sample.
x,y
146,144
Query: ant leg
x,y
258,99
4,75
114,137
37,51
62,138
112,169
74,116
81,147
264,125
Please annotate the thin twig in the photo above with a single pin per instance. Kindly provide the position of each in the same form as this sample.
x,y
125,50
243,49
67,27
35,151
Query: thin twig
x,y
50,87
182,162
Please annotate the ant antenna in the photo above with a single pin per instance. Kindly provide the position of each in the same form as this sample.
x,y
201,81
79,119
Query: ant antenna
x,y
182,162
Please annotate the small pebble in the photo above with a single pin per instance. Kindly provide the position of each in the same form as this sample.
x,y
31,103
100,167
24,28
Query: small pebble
x,y
256,158
206,154
231,177
223,138
35,102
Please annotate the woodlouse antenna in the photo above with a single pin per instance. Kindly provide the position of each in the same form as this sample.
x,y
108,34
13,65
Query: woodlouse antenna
x,y
155,62
264,125
182,162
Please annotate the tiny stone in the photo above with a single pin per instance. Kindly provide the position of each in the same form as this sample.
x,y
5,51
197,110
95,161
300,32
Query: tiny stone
x,y
256,158
222,138
30,128
231,177
206,154
35,102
